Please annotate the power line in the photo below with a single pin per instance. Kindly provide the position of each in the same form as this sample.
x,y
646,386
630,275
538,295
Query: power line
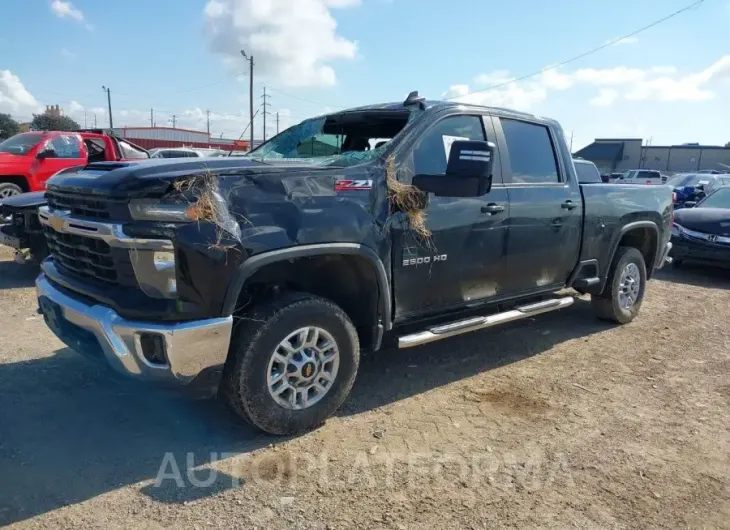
x,y
319,103
589,52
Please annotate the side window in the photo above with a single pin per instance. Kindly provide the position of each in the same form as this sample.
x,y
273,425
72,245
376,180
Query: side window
x,y
431,152
130,151
531,152
587,173
66,146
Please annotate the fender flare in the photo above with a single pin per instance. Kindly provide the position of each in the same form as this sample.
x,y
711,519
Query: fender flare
x,y
249,267
614,246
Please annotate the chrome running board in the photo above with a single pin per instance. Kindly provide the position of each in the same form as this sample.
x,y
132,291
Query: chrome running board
x,y
472,324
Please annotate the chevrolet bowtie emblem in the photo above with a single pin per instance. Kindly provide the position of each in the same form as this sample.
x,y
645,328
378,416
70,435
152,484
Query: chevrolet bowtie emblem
x,y
56,223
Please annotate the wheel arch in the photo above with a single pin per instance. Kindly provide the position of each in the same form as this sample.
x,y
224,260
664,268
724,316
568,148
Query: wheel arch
x,y
642,235
342,263
18,180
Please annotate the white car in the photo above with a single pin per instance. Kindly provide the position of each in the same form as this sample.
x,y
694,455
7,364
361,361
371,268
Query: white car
x,y
180,152
640,176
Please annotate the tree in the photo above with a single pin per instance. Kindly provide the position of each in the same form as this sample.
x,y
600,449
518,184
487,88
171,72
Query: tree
x,y
53,122
8,126
727,145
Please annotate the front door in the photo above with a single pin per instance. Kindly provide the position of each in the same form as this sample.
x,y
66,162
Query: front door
x,y
462,261
68,151
545,208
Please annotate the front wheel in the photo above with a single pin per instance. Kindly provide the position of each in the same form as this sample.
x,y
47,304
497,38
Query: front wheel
x,y
621,299
292,363
8,189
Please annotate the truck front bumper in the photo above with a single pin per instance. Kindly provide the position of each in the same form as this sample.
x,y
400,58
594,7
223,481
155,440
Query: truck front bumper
x,y
188,354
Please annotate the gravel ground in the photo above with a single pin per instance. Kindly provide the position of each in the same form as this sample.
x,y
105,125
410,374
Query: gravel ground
x,y
560,421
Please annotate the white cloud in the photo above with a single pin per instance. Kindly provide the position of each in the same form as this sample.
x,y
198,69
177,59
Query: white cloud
x,y
605,97
68,53
64,9
294,42
14,98
658,83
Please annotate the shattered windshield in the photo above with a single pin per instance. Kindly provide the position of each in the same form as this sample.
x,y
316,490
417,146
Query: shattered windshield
x,y
347,136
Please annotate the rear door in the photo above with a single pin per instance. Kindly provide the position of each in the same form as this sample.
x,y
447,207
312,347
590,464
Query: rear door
x,y
462,262
546,207
67,151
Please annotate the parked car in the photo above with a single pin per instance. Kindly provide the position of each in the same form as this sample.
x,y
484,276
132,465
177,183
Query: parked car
x,y
640,176
702,231
693,187
587,172
265,284
183,152
30,159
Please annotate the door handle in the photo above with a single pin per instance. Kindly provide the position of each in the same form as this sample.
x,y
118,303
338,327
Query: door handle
x,y
492,208
569,205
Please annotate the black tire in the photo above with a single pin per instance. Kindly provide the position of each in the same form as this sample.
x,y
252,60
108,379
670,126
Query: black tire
x,y
255,338
8,189
606,305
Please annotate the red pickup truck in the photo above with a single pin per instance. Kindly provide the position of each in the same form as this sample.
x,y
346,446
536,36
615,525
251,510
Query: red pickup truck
x,y
28,160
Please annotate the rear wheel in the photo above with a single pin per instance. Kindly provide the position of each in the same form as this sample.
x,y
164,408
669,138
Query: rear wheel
x,y
8,189
621,299
292,363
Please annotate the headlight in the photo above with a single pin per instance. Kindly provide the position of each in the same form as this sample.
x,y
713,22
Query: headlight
x,y
677,230
146,210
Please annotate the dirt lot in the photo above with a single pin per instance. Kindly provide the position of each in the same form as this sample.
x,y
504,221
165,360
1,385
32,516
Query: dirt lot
x,y
561,421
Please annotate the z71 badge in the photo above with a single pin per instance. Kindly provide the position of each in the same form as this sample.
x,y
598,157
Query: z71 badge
x,y
425,260
353,185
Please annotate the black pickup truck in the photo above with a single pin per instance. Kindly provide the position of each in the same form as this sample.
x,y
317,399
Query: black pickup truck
x,y
263,277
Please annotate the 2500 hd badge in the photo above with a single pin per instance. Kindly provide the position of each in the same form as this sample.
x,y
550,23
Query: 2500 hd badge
x,y
425,260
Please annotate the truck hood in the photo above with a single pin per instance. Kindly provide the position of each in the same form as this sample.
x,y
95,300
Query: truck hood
x,y
708,220
25,200
150,177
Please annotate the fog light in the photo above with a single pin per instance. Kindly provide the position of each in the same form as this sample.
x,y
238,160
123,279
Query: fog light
x,y
153,348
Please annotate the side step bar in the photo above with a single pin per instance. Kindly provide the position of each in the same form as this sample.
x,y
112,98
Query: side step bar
x,y
475,323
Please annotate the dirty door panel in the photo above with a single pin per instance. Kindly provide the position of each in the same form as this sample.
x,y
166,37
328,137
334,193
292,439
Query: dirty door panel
x,y
545,208
463,261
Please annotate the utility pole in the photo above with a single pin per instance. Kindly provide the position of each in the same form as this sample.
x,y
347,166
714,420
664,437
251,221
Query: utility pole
x,y
173,119
277,123
264,105
250,61
95,120
571,142
207,112
85,118
109,101
152,118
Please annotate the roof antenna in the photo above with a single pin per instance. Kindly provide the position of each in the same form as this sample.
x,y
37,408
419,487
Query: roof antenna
x,y
414,99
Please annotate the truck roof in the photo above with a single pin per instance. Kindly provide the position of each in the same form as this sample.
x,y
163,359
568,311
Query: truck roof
x,y
436,105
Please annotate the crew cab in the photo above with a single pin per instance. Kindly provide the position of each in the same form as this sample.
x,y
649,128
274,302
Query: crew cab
x,y
28,160
262,278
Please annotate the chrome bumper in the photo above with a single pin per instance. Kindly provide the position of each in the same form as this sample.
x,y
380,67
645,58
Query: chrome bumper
x,y
665,258
190,348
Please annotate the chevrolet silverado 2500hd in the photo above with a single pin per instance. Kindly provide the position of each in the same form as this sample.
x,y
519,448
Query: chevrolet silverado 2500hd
x,y
262,277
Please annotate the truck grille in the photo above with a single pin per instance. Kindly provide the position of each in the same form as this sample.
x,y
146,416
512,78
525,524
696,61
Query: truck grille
x,y
89,257
80,205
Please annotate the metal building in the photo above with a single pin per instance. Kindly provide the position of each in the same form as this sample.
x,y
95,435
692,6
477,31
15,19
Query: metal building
x,y
613,155
151,137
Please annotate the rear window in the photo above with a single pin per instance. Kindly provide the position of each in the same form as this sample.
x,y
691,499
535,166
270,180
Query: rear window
x,y
587,173
130,151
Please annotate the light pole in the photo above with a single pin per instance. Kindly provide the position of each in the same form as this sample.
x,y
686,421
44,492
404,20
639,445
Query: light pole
x,y
250,108
109,101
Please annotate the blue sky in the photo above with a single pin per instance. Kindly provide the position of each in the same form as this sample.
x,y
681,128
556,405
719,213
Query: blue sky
x,y
670,83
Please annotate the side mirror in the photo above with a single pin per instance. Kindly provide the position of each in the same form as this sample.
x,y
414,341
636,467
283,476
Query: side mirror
x,y
468,171
690,204
46,153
